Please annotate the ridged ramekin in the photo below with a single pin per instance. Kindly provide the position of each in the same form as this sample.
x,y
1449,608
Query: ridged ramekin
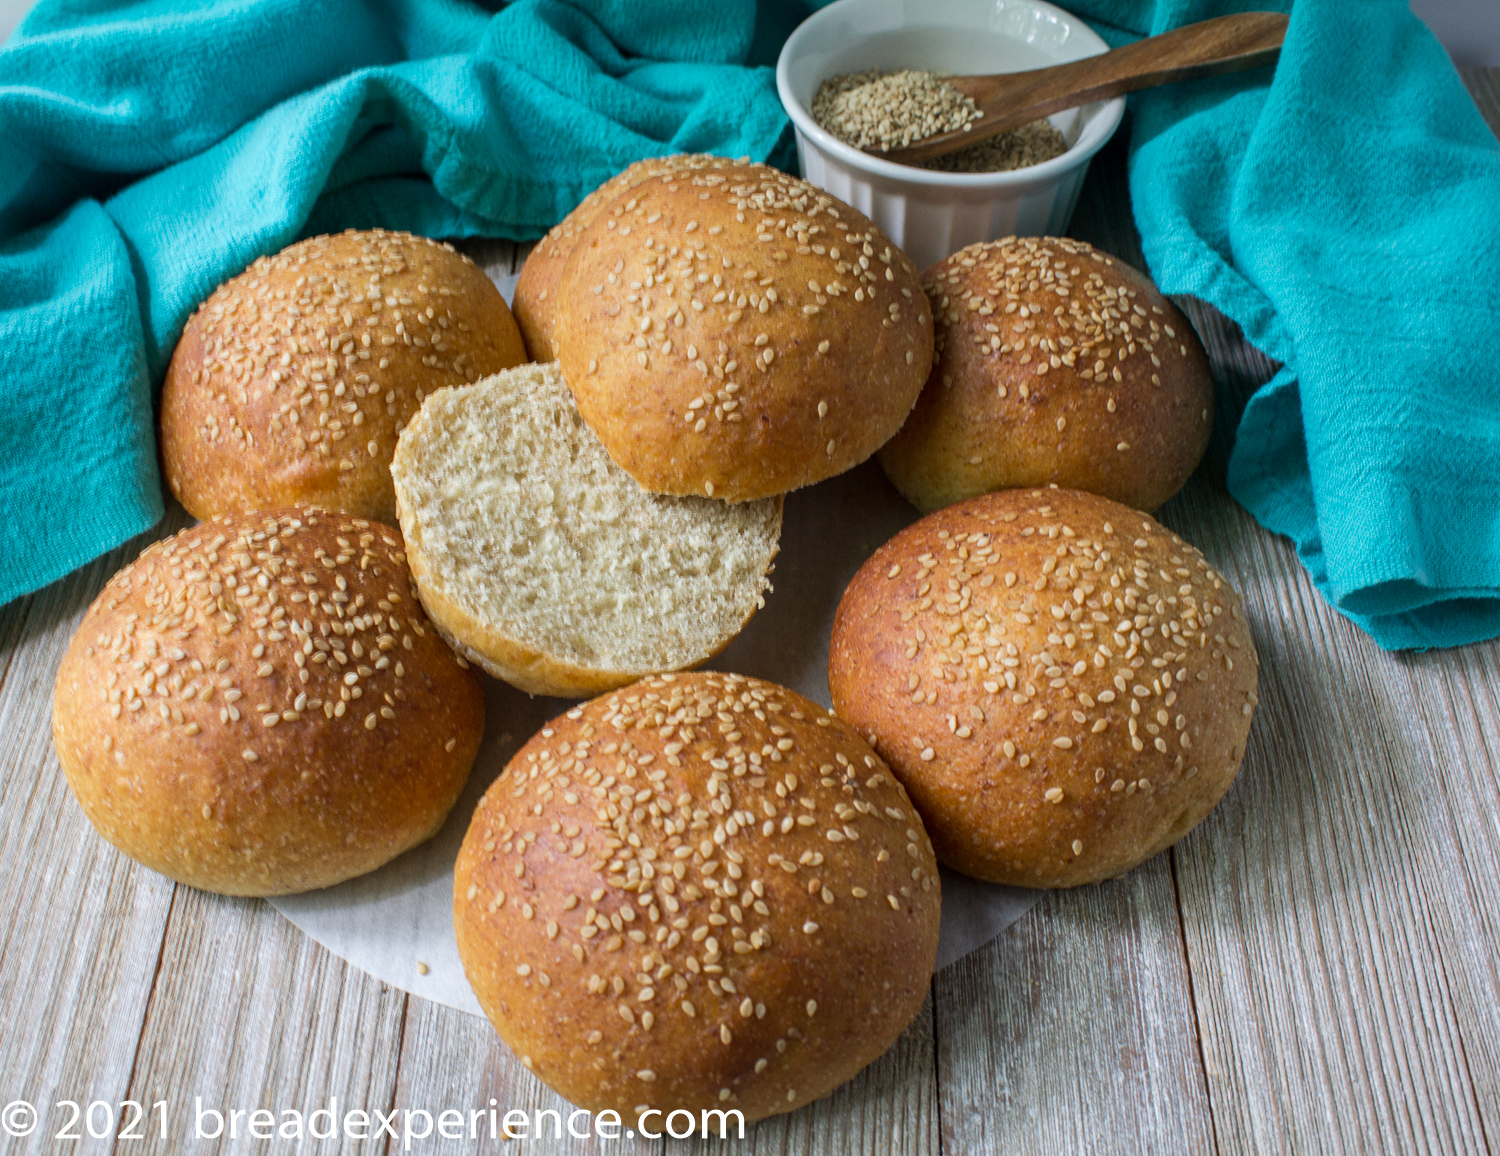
x,y
932,214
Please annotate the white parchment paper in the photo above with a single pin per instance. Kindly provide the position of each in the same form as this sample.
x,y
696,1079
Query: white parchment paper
x,y
390,922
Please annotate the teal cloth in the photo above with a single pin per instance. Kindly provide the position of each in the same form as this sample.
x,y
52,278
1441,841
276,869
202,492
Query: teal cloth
x,y
1345,213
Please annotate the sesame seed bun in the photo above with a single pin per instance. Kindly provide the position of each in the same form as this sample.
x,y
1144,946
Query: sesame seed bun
x,y
698,892
1056,365
1063,685
535,299
291,382
258,706
542,561
738,333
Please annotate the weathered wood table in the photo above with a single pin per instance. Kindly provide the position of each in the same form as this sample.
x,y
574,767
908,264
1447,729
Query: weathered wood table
x,y
1315,969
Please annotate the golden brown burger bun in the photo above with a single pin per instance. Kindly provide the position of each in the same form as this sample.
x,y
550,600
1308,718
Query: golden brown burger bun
x,y
1063,685
291,383
1056,365
258,706
738,333
535,300
698,892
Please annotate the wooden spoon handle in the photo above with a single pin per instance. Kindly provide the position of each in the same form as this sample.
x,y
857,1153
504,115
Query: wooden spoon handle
x,y
1209,48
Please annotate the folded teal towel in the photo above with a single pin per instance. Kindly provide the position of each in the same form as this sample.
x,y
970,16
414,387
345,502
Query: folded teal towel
x,y
1344,214
1347,215
152,150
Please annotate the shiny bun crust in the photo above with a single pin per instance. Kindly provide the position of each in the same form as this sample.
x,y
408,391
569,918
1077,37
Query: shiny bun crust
x,y
1063,685
738,333
535,300
258,706
1056,365
291,383
698,892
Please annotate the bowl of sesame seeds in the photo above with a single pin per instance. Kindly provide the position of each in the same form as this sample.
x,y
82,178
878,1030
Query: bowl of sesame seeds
x,y
868,72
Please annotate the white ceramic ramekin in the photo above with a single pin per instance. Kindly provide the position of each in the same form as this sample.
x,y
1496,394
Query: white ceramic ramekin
x,y
932,214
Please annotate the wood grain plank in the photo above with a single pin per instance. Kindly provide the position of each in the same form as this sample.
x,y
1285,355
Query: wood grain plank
x,y
1459,702
1325,1012
1315,926
497,258
1484,86
453,1060
249,1013
891,1107
1452,701
83,926
1316,937
1329,1020
1103,216
13,617
1074,1030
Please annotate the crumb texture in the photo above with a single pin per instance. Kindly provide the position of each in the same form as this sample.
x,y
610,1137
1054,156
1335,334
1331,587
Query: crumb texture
x,y
524,524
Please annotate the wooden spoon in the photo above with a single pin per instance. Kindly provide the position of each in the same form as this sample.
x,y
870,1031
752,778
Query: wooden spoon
x,y
1209,48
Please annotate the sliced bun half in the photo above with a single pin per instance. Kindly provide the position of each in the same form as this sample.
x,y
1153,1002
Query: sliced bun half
x,y
544,562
